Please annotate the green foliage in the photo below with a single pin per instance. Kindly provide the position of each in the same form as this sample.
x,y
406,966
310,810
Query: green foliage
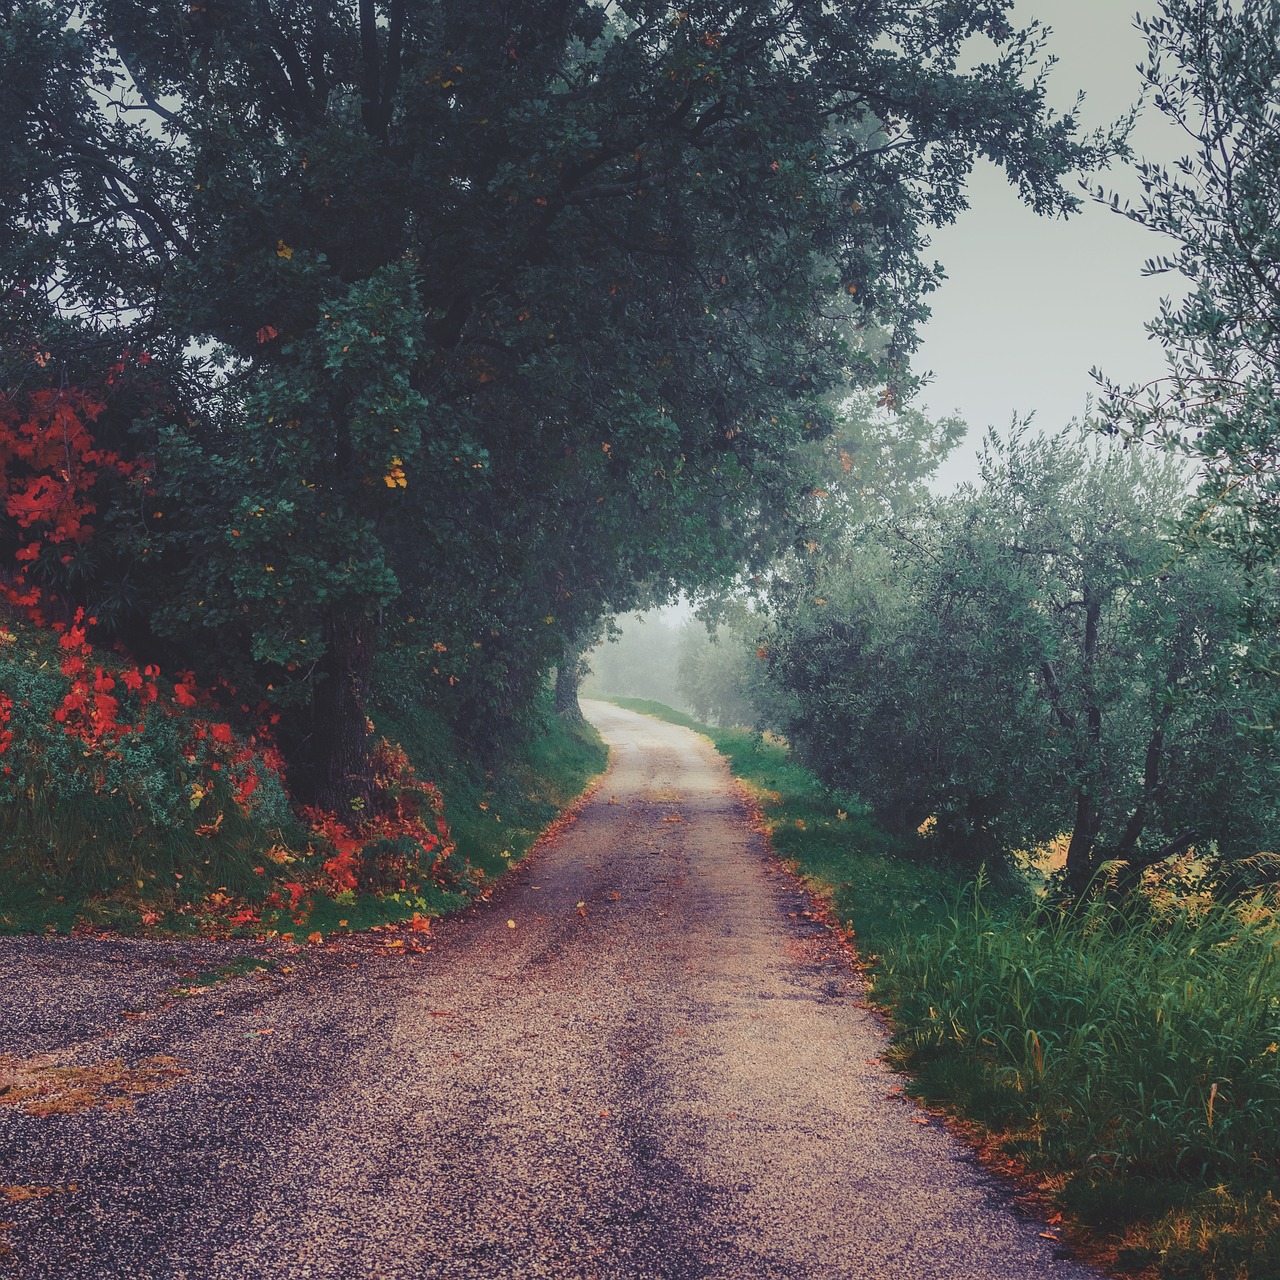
x,y
141,811
1035,658
1126,1039
718,671
1131,1048
153,827
467,331
495,817
1213,70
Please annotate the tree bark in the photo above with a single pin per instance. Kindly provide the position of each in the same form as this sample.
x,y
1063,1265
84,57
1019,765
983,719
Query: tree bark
x,y
568,677
1084,832
342,775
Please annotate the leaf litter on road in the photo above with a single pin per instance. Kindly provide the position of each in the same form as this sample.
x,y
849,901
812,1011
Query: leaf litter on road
x,y
44,1086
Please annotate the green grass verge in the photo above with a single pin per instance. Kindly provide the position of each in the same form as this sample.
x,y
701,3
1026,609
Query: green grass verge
x,y
1126,1056
496,817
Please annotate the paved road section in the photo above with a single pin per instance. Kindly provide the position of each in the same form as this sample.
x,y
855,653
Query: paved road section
x,y
640,1060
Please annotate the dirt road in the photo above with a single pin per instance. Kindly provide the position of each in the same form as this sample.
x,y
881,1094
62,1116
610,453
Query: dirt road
x,y
637,1062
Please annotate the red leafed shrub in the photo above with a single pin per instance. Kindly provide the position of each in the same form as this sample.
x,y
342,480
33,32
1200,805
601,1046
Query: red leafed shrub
x,y
116,775
49,468
398,847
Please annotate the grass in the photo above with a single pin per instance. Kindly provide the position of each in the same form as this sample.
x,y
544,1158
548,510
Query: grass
x,y
496,816
134,836
1126,1058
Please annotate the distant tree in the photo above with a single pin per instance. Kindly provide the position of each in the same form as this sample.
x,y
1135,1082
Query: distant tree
x,y
1213,69
636,657
873,464
471,318
1037,657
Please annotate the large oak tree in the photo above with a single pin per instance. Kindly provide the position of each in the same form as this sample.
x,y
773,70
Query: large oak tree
x,y
466,319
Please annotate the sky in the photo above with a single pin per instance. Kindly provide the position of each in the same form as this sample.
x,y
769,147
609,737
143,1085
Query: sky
x,y
1031,304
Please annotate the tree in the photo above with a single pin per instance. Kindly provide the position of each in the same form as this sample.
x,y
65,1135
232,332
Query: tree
x,y
1213,69
1037,658
470,319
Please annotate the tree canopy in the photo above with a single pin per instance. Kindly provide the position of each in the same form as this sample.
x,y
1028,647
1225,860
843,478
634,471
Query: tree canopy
x,y
456,326
1035,658
1213,69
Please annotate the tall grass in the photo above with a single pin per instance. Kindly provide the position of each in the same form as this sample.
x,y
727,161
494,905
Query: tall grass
x,y
1121,1038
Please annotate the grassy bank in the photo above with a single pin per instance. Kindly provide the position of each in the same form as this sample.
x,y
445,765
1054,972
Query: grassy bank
x,y
131,803
496,816
1126,1059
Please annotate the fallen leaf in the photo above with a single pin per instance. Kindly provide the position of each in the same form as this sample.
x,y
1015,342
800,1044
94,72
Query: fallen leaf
x,y
605,1115
511,924
41,1086
1048,1235
24,1193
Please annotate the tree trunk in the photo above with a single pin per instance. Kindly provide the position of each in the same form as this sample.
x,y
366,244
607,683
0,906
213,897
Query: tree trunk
x,y
1080,850
342,775
568,677
1084,834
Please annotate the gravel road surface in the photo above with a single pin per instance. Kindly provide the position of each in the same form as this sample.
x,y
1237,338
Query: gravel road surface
x,y
641,1059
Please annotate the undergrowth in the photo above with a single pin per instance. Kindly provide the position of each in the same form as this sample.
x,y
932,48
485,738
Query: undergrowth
x,y
1127,1056
130,808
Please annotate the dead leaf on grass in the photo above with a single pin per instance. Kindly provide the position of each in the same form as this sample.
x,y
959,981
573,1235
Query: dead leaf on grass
x,y
42,1086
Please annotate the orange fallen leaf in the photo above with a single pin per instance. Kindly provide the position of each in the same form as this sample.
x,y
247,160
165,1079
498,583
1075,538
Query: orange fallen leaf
x,y
1047,1235
604,1115
673,817
616,896
24,1193
315,937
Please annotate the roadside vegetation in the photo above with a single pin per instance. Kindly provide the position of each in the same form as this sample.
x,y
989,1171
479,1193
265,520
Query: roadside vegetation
x,y
1123,1058
137,803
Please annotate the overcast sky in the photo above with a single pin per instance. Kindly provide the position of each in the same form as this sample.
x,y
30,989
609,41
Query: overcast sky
x,y
1030,304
